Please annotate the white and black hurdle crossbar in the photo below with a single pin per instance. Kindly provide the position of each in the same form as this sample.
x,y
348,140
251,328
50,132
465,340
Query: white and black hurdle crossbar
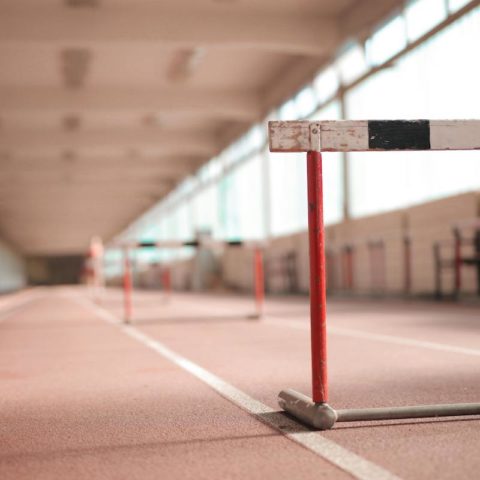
x,y
258,267
315,137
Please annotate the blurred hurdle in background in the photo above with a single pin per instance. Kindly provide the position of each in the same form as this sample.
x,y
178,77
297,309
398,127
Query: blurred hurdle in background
x,y
258,267
463,251
347,261
314,137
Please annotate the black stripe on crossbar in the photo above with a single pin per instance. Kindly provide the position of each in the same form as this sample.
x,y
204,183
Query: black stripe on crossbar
x,y
146,244
399,135
192,243
234,243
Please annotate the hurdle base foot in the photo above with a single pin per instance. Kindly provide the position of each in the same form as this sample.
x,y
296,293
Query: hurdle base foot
x,y
322,416
317,415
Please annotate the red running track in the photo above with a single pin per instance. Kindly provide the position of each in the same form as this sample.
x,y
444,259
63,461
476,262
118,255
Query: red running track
x,y
80,398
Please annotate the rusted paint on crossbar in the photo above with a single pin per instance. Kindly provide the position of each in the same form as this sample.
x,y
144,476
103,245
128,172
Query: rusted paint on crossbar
x,y
373,135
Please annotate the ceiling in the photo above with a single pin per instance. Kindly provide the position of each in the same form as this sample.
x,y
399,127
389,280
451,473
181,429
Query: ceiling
x,y
105,105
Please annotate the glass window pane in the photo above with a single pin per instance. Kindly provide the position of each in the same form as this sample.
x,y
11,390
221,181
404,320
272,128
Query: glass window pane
x,y
405,178
455,5
288,111
423,15
387,41
352,64
326,84
306,102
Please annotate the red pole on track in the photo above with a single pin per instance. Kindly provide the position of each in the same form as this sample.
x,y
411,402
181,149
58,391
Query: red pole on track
x,y
371,257
318,311
166,282
127,286
259,281
383,264
350,267
407,252
458,261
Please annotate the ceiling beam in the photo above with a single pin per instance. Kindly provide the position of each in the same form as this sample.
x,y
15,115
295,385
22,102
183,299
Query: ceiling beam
x,y
72,196
359,20
94,176
223,104
168,163
160,140
185,29
108,161
67,193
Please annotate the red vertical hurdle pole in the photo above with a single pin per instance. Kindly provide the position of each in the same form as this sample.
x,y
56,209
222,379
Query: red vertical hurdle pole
x,y
350,267
127,286
166,282
259,281
371,258
407,259
318,311
457,261
383,263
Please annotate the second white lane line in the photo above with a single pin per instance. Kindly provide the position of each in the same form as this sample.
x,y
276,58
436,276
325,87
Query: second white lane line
x,y
377,337
357,466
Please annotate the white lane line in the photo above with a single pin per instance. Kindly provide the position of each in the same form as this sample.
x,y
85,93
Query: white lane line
x,y
12,305
346,460
377,337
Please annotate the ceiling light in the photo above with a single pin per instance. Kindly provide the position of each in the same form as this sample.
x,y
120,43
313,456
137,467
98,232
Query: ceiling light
x,y
81,3
75,63
184,63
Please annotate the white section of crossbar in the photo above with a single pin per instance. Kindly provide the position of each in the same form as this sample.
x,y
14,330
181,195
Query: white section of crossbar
x,y
373,135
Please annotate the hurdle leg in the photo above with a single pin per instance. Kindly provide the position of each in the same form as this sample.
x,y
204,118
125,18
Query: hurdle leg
x,y
381,268
372,261
166,283
350,267
457,263
407,265
318,312
127,287
315,411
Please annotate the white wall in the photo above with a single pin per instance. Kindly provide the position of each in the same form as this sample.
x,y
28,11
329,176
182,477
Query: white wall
x,y
12,269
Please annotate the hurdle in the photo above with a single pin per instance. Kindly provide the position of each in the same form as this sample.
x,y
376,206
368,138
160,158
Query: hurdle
x,y
258,269
315,137
459,260
376,249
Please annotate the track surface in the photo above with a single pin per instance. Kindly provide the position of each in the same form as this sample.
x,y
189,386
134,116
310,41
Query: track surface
x,y
80,398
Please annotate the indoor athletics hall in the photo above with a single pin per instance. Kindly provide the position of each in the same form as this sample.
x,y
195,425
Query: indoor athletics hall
x,y
239,239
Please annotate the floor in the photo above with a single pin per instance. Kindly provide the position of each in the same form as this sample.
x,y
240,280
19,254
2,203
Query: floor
x,y
189,389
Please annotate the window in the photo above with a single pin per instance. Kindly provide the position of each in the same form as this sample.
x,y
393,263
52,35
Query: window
x,y
423,15
205,211
387,41
326,84
306,102
240,206
288,111
455,5
385,181
352,64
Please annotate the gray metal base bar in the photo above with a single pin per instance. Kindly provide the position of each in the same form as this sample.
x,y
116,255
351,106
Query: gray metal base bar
x,y
323,416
